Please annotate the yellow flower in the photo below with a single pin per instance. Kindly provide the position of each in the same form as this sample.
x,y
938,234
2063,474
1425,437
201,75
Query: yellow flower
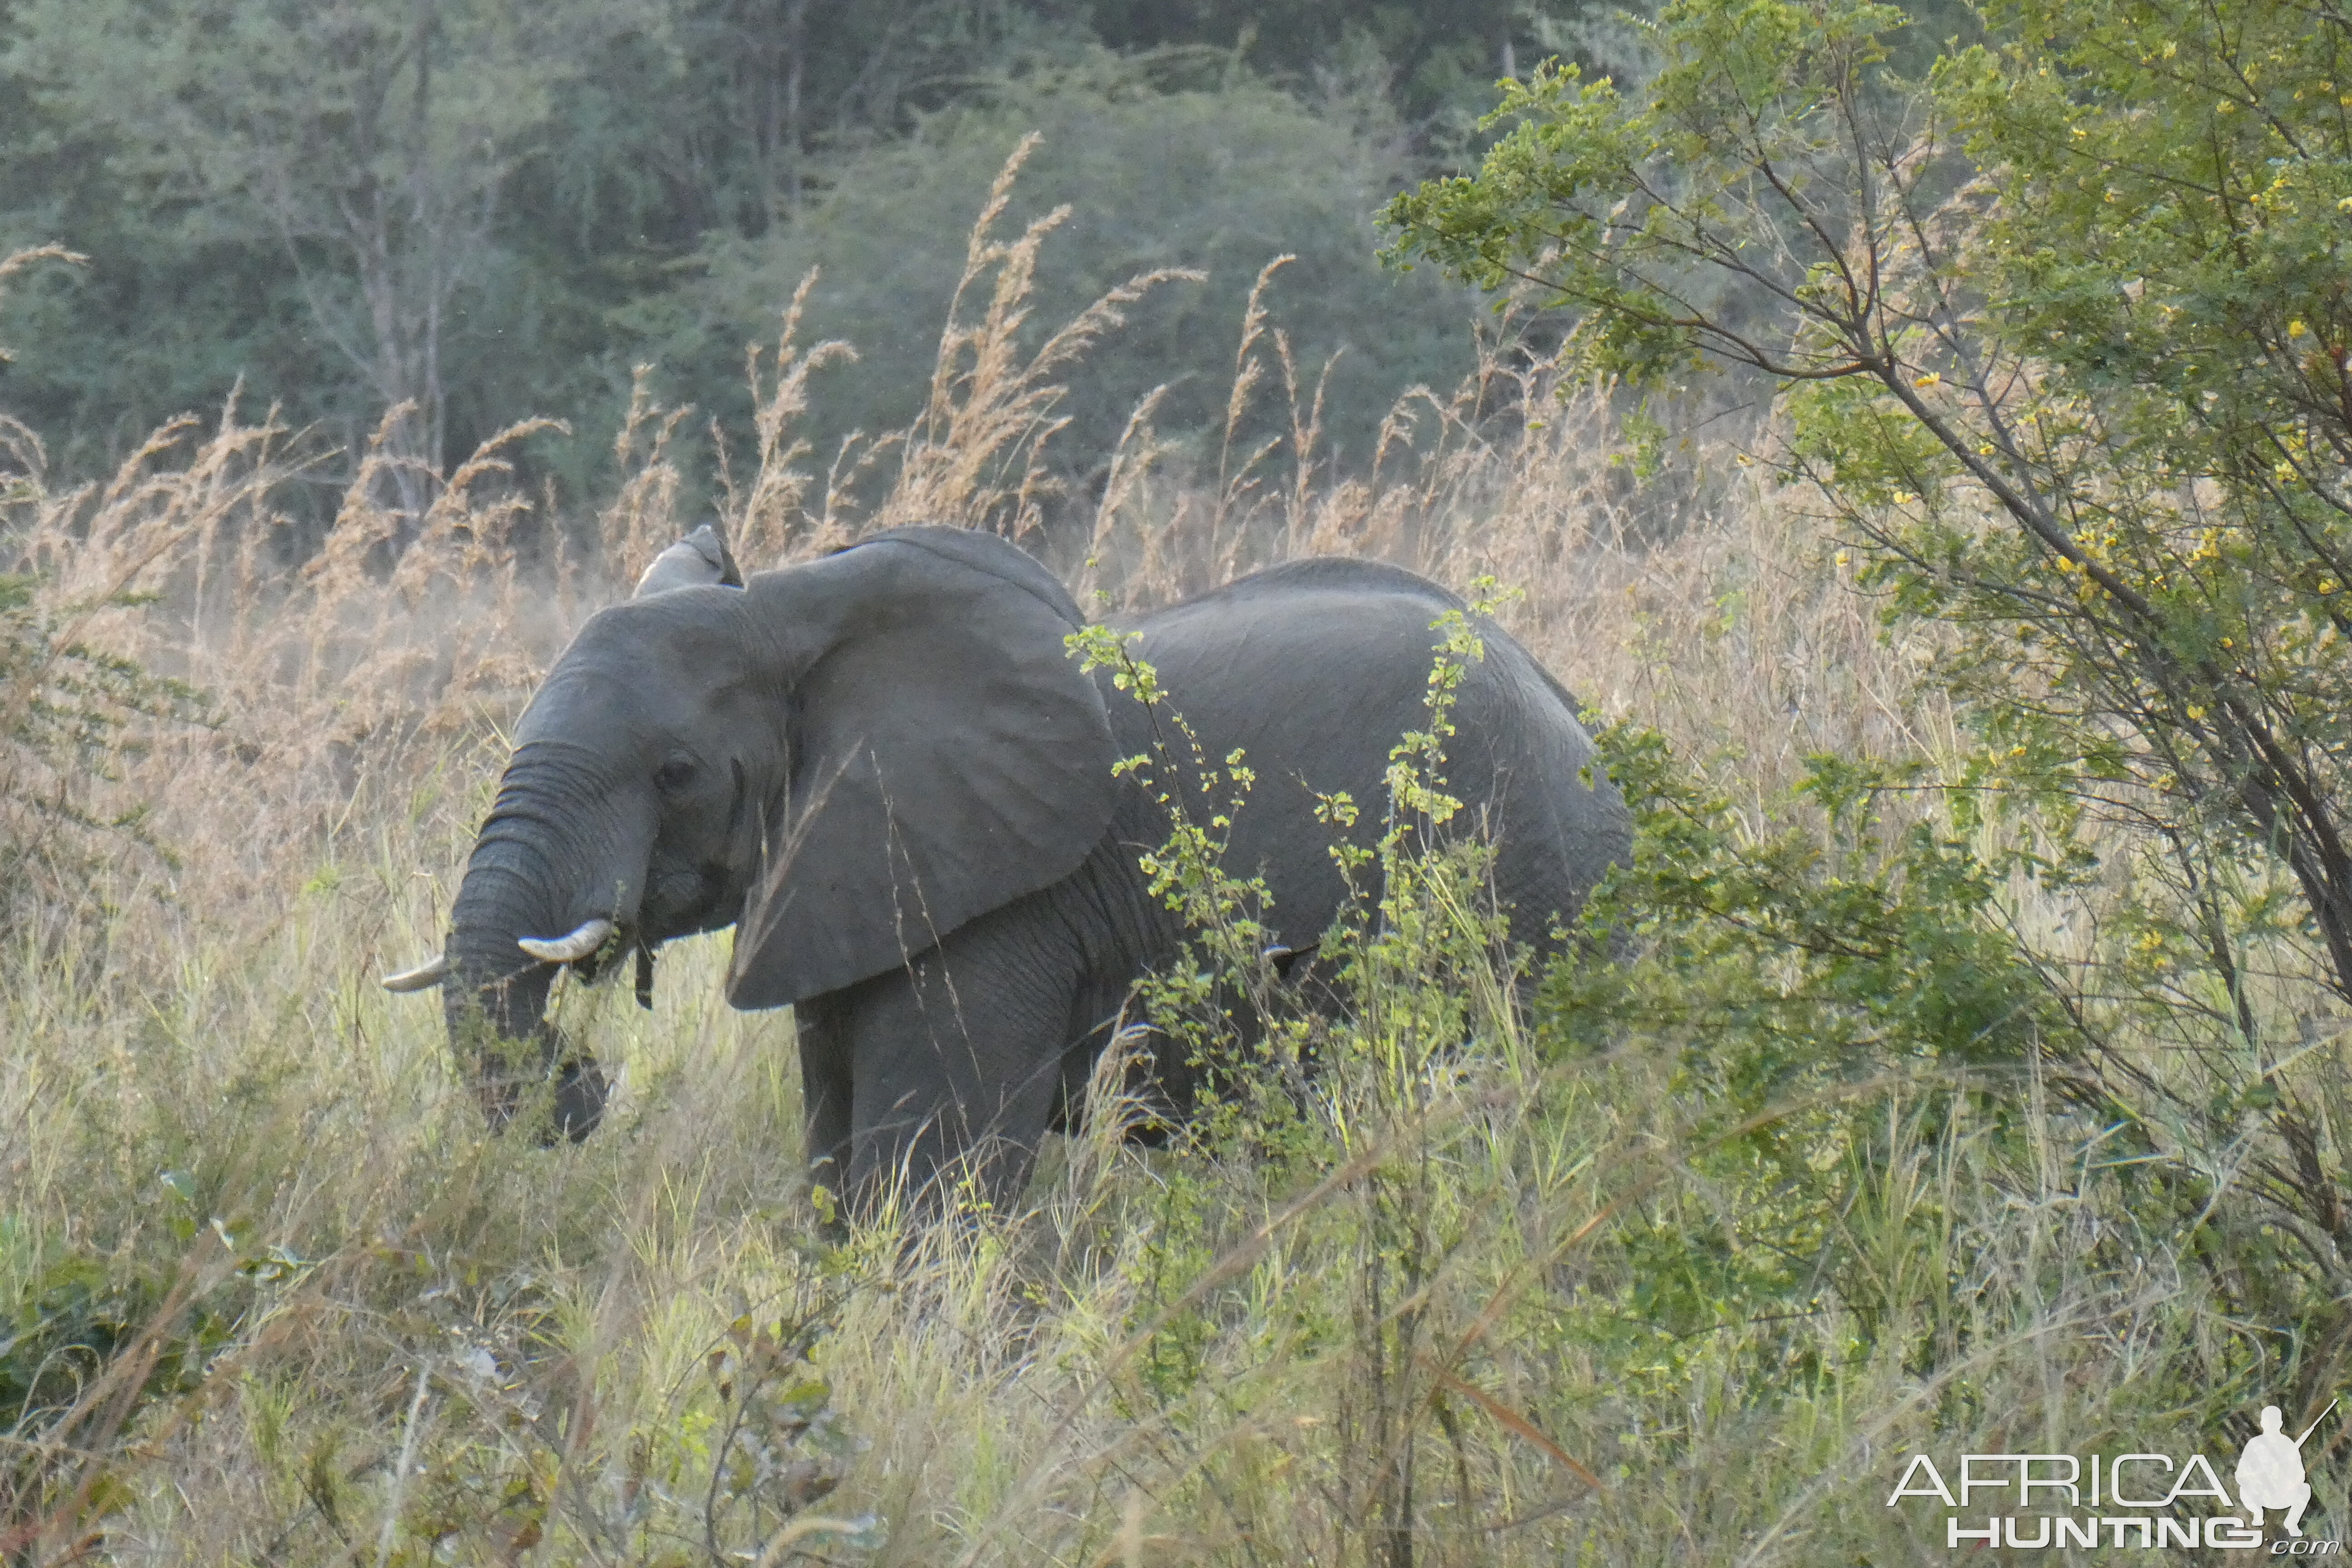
x,y
2296,329
1930,379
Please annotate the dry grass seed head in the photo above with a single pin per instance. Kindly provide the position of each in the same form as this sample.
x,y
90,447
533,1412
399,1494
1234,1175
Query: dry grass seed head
x,y
988,411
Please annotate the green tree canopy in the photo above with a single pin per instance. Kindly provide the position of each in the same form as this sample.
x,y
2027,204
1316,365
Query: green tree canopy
x,y
2063,334
497,212
1193,172
369,144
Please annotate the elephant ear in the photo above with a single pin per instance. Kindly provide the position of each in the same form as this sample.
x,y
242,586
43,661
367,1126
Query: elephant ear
x,y
949,755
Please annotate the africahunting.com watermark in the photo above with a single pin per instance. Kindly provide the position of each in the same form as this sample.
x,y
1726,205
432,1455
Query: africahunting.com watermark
x,y
2121,1501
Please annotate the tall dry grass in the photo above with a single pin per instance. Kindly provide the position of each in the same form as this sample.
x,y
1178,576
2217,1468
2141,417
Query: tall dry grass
x,y
323,1316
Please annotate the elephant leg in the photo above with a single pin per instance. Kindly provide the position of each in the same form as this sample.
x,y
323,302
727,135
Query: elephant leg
x,y
824,1025
956,1059
1094,1020
1155,1094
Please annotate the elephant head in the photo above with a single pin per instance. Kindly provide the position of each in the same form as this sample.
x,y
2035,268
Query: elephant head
x,y
846,759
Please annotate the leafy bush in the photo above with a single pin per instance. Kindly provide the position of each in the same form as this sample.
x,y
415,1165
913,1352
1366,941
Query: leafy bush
x,y
2058,334
1807,984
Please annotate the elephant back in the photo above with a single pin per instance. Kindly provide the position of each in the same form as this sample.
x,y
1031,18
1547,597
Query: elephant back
x,y
1317,669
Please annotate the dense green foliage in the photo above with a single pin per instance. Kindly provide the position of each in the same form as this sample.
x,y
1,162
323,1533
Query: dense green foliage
x,y
1812,985
2059,328
491,212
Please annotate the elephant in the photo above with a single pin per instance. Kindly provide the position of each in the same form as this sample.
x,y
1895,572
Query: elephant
x,y
888,772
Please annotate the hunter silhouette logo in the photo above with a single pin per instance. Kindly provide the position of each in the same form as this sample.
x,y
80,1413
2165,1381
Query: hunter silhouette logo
x,y
2269,1472
2139,1500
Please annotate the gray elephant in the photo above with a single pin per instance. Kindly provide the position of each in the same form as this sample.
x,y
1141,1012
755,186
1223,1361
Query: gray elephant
x,y
888,772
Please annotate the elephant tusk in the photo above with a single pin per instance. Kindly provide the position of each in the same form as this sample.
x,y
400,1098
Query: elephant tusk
x,y
1282,960
423,978
592,935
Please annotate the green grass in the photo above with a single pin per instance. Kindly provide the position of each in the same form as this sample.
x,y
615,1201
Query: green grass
x,y
363,1322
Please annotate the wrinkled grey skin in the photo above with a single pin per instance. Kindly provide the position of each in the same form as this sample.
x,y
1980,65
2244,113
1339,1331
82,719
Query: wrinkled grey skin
x,y
885,770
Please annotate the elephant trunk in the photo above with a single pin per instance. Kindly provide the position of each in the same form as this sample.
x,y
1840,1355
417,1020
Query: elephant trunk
x,y
541,859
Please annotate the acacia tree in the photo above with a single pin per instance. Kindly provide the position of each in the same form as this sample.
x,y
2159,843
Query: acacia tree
x,y
2060,331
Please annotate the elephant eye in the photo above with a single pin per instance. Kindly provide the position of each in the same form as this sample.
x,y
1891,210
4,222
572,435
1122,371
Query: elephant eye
x,y
674,774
